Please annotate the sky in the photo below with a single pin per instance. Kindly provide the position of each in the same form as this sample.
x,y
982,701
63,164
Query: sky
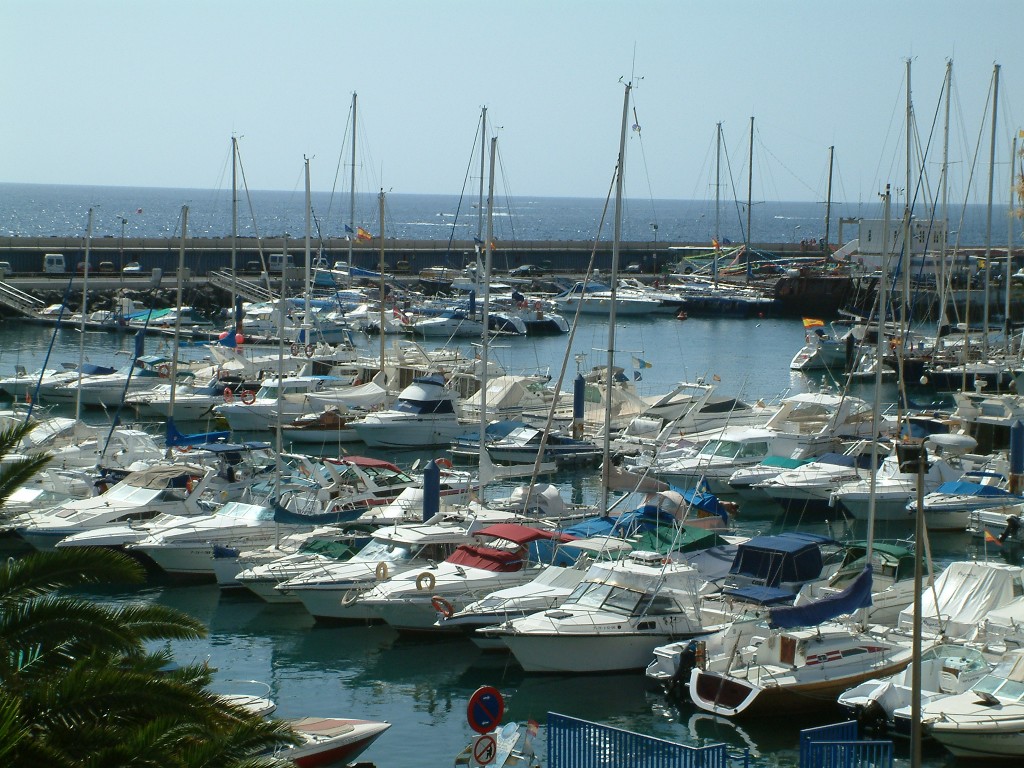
x,y
148,93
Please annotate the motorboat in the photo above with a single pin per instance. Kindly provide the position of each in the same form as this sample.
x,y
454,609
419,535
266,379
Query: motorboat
x,y
596,299
173,489
331,425
884,705
453,323
424,415
523,444
330,741
892,489
277,400
185,547
328,590
612,621
108,390
986,722
412,600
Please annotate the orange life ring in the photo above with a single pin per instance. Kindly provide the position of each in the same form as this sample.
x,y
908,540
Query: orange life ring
x,y
442,606
164,371
229,395
248,396
443,463
356,381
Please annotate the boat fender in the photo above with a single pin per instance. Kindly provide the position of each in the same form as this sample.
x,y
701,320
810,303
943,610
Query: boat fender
x,y
687,663
700,655
310,350
349,597
295,349
425,582
248,396
229,395
382,572
1011,530
357,381
443,463
164,371
442,606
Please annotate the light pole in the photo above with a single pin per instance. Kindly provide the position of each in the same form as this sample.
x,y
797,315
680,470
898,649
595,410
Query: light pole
x,y
654,255
120,266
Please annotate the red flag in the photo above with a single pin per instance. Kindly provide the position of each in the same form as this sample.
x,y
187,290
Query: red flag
x,y
362,234
991,539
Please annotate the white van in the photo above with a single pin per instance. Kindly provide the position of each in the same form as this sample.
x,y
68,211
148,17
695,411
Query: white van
x,y
53,263
277,262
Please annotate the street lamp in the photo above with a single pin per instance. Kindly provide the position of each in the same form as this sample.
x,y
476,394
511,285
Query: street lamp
x,y
654,255
121,265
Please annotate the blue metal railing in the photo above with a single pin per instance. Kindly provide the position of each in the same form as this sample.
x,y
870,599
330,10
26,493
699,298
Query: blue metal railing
x,y
836,746
574,743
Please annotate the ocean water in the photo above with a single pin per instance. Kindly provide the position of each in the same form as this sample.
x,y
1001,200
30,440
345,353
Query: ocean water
x,y
423,686
37,210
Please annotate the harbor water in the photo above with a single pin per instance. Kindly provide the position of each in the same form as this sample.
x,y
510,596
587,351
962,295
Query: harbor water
x,y
422,685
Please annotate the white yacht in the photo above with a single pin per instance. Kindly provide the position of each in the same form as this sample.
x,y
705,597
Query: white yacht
x,y
425,414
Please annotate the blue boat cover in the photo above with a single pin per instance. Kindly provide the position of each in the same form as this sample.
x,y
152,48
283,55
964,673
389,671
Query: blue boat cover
x,y
965,488
856,595
791,556
347,515
93,368
762,595
175,437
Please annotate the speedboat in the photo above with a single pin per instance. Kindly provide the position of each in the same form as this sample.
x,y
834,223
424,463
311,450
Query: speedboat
x,y
612,621
523,444
162,489
986,722
883,705
276,400
330,741
185,547
108,390
596,299
451,324
424,415
411,601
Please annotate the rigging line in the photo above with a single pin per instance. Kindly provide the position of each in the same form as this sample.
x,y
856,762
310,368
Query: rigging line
x,y
647,172
465,180
732,184
339,167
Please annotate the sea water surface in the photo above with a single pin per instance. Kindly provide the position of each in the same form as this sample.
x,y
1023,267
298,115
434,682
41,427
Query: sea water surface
x,y
423,686
420,685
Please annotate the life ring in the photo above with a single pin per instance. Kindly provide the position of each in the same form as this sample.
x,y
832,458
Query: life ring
x,y
295,349
425,582
229,395
310,350
164,371
443,463
248,396
382,572
442,606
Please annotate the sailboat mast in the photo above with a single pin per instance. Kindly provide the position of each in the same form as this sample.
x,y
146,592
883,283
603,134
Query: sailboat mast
x,y
1009,250
380,213
828,197
352,199
85,314
606,464
750,190
306,326
480,203
234,225
907,244
177,317
944,192
718,189
988,214
485,347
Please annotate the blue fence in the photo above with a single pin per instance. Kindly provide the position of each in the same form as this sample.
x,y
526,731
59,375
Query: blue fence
x,y
576,743
836,746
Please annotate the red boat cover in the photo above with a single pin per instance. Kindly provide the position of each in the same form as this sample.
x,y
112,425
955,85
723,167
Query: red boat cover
x,y
521,534
487,559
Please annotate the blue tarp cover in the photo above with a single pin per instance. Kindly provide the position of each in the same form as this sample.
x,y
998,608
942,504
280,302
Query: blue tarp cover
x,y
856,595
785,557
762,595
964,488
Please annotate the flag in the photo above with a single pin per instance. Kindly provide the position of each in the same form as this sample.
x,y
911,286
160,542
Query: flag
x,y
810,322
637,376
362,234
348,229
991,539
639,363
714,242
716,377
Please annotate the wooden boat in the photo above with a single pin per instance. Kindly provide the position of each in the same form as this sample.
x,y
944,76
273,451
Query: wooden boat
x,y
331,741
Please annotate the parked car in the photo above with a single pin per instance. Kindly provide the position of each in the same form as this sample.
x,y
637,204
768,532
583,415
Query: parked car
x,y
106,266
5,269
132,268
526,270
633,268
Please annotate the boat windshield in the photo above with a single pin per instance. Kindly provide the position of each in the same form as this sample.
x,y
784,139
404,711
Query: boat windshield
x,y
384,552
605,597
733,449
1006,680
240,511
